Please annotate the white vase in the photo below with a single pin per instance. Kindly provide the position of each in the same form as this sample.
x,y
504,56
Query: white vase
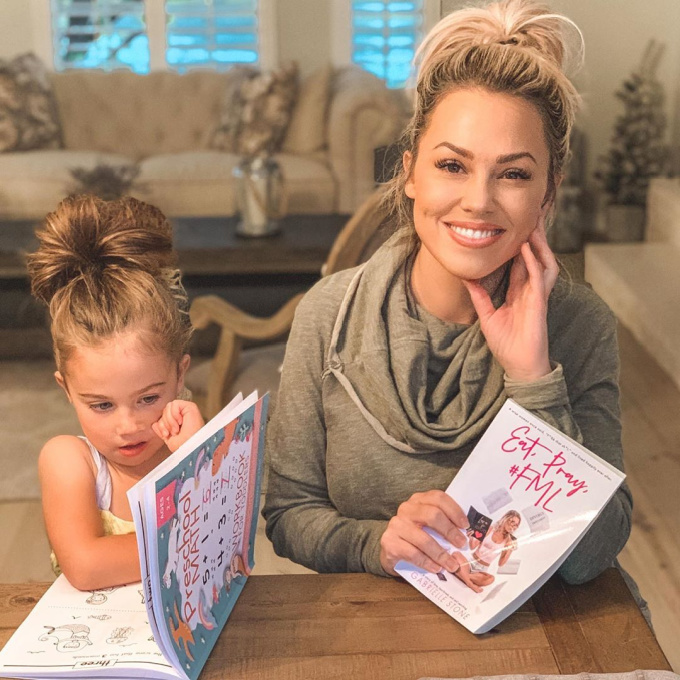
x,y
260,196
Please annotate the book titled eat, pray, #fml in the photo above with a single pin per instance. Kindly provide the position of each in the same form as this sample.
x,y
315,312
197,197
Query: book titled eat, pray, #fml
x,y
530,493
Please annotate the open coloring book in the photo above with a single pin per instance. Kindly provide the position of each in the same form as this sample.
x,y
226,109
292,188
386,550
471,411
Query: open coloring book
x,y
530,493
195,517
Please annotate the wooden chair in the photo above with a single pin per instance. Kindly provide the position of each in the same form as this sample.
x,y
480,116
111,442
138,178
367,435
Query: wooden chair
x,y
233,369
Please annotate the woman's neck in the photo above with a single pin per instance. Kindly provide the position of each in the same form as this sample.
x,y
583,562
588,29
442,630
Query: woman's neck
x,y
441,293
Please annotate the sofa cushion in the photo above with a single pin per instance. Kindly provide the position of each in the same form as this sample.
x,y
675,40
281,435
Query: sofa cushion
x,y
200,183
33,182
307,129
309,183
139,115
256,111
192,183
28,112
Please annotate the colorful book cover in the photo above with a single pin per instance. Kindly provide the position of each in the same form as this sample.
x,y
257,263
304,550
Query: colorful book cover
x,y
195,517
205,517
530,493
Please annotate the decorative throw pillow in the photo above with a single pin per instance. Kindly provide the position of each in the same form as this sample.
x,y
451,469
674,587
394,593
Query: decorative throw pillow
x,y
226,136
255,119
268,101
307,129
28,110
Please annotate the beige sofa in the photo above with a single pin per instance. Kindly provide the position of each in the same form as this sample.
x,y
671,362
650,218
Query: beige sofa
x,y
165,122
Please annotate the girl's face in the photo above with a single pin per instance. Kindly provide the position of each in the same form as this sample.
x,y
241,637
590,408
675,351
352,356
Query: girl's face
x,y
119,388
479,182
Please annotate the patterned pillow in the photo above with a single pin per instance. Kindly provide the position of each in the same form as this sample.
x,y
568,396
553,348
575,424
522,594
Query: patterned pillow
x,y
268,101
226,136
28,110
256,111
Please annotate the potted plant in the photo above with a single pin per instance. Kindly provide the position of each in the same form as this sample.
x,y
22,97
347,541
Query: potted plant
x,y
638,151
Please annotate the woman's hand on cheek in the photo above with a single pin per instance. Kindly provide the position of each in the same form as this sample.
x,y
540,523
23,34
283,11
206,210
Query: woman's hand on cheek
x,y
179,421
405,539
517,332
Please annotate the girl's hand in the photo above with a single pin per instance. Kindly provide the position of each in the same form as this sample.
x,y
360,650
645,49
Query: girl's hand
x,y
517,332
180,420
405,539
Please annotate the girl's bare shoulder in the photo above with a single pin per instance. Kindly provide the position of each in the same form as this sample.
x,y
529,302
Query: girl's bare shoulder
x,y
66,453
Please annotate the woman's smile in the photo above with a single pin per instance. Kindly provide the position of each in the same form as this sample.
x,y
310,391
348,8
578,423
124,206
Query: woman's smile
x,y
474,234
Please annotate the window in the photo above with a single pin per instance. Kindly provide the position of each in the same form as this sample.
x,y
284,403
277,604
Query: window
x,y
218,33
154,34
384,37
103,34
381,36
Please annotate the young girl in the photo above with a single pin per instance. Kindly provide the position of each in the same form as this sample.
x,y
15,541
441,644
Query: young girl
x,y
120,331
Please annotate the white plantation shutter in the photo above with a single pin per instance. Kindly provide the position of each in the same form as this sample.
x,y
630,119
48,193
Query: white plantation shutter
x,y
385,34
211,33
104,34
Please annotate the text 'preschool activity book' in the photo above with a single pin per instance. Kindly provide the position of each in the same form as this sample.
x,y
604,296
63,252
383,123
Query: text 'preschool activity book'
x,y
529,493
195,517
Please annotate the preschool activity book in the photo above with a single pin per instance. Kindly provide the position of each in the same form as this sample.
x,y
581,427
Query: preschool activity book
x,y
195,518
529,493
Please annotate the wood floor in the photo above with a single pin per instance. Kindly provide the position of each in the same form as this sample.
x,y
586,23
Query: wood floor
x,y
651,416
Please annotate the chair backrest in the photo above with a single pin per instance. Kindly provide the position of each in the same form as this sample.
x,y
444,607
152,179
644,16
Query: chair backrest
x,y
363,234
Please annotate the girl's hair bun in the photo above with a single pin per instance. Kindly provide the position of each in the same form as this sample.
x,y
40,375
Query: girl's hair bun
x,y
521,24
89,239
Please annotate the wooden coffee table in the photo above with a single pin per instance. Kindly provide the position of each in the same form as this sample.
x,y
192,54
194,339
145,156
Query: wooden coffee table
x,y
210,246
354,626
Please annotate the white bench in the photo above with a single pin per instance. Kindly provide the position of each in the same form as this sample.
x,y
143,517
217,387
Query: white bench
x,y
641,281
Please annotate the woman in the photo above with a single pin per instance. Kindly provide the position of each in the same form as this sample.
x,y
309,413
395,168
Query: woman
x,y
394,370
498,544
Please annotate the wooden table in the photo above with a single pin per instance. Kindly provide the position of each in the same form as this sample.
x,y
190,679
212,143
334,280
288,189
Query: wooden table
x,y
210,246
350,626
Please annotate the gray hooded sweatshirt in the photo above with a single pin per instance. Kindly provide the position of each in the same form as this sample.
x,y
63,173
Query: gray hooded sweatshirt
x,y
379,399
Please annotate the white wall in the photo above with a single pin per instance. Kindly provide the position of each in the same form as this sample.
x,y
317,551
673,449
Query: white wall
x,y
616,33
304,32
15,27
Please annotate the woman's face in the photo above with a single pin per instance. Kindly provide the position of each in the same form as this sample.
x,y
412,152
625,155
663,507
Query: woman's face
x,y
511,524
479,182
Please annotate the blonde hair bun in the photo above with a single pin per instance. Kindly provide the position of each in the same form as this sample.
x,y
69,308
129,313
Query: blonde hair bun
x,y
522,24
106,267
88,238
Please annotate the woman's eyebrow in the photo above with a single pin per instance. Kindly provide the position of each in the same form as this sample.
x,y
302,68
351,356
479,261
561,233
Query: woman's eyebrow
x,y
456,149
509,158
506,158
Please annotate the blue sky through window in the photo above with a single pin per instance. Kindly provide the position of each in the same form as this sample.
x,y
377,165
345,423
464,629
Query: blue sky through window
x,y
111,34
102,34
217,33
384,37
